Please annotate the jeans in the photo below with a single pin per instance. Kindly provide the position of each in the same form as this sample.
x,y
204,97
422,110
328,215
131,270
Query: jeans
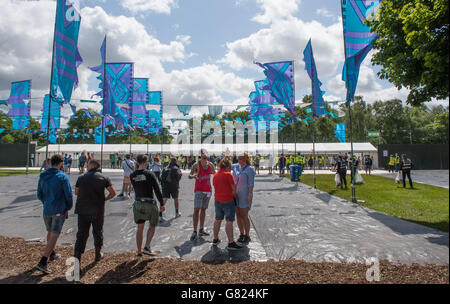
x,y
84,225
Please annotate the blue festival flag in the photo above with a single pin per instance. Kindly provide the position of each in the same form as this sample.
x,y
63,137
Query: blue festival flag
x,y
214,110
357,39
138,111
340,132
184,109
318,104
281,86
66,57
98,135
55,115
20,111
119,87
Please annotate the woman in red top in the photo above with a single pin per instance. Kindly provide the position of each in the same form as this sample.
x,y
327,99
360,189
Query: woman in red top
x,y
224,191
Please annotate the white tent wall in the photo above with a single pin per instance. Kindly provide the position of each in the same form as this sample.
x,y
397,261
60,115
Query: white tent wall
x,y
360,149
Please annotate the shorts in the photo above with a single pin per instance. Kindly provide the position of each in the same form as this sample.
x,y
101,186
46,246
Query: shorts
x,y
226,210
145,210
243,203
54,223
126,180
168,192
81,165
201,199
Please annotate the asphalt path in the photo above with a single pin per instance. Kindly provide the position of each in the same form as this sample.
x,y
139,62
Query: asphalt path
x,y
289,220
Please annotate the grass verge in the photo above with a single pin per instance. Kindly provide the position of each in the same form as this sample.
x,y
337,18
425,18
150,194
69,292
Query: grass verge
x,y
5,172
425,204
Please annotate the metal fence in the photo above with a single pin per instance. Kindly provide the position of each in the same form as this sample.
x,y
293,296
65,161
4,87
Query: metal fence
x,y
423,157
15,155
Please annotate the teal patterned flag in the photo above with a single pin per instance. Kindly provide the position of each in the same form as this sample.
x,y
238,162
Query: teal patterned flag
x,y
357,38
66,57
20,111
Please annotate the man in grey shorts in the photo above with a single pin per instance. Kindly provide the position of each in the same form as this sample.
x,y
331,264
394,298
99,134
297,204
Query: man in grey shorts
x,y
201,171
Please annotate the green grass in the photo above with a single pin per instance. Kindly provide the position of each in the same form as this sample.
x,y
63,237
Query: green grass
x,y
4,173
426,205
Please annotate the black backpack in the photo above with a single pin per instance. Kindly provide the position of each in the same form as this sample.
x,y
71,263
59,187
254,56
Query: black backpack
x,y
168,175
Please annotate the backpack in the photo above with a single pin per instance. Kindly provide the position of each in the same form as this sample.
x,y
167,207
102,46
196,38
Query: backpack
x,y
168,173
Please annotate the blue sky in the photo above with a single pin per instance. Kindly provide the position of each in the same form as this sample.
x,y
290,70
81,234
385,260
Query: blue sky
x,y
195,51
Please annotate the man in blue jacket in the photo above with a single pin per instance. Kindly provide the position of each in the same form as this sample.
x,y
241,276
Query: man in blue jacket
x,y
55,192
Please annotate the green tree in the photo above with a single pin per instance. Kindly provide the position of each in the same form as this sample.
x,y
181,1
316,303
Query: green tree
x,y
412,47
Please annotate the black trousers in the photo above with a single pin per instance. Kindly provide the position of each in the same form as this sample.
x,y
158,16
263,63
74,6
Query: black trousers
x,y
406,173
343,177
84,225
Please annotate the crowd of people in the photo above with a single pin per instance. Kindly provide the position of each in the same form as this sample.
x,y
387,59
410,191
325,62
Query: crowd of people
x,y
155,180
152,184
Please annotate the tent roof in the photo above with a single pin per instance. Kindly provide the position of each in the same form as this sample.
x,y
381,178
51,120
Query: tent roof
x,y
305,148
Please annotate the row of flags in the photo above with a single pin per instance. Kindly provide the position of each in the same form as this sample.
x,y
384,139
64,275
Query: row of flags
x,y
128,103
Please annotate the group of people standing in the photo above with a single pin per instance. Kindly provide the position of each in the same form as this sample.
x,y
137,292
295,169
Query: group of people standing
x,y
233,185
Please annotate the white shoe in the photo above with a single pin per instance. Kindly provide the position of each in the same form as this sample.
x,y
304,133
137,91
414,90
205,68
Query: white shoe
x,y
178,214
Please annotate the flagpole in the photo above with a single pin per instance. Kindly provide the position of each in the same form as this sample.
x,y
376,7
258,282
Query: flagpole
x,y
51,84
103,110
348,102
28,131
162,125
294,117
314,151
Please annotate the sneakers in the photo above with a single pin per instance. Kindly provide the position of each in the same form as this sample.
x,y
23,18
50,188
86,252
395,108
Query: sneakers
x,y
147,251
161,219
203,233
120,195
138,256
54,256
244,239
216,242
178,214
99,256
43,267
247,239
194,236
233,246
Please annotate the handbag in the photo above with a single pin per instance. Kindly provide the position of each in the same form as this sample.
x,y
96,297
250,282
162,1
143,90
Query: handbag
x,y
337,179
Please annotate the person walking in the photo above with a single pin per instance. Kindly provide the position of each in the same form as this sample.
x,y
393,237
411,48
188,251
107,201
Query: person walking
x,y
341,168
156,168
55,192
112,158
69,164
45,165
405,166
170,184
82,161
90,207
368,164
397,162
244,176
66,161
201,171
145,208
128,168
224,192
89,157
256,164
282,164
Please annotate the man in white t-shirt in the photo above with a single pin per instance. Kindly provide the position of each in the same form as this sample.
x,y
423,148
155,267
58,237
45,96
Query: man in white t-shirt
x,y
128,168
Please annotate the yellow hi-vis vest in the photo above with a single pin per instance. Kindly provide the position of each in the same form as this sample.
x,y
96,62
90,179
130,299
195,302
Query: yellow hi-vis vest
x,y
397,159
320,159
391,161
298,159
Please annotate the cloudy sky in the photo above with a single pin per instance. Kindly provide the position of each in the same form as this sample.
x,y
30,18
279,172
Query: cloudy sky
x,y
195,51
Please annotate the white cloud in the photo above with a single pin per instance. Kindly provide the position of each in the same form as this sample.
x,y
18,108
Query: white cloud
x,y
324,12
274,10
286,40
157,6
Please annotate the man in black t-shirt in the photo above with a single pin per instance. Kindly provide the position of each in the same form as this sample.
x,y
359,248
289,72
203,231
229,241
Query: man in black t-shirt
x,y
90,207
170,184
145,209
